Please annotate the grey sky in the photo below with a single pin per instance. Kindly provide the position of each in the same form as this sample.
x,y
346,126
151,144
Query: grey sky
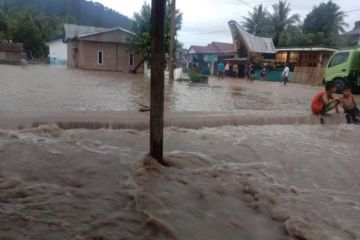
x,y
206,20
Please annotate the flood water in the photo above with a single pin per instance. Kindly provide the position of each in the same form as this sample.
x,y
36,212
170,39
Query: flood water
x,y
247,182
56,88
259,182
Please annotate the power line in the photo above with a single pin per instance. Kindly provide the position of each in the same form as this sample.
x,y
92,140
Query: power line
x,y
354,10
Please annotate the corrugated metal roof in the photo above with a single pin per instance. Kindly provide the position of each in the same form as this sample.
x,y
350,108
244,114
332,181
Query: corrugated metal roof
x,y
94,33
73,30
253,43
106,31
306,49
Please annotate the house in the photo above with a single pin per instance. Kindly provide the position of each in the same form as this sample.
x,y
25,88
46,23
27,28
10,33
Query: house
x,y
105,49
354,35
249,46
11,53
211,54
304,56
57,51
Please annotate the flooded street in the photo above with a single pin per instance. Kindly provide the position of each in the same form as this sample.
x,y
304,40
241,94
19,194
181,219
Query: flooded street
x,y
56,88
260,182
297,182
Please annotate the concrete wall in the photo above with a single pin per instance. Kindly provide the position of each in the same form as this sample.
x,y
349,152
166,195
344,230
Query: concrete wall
x,y
57,50
115,56
72,55
10,57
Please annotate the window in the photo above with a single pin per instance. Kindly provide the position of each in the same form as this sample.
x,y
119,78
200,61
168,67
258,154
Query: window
x,y
339,58
100,57
131,59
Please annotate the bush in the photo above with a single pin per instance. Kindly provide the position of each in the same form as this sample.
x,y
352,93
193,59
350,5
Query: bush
x,y
194,76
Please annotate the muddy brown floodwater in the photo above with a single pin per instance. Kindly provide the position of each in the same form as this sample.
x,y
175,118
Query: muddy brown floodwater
x,y
256,182
56,88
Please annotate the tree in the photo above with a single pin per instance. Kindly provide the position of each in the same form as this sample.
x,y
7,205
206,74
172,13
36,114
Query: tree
x,y
326,18
142,40
258,21
327,21
281,20
28,28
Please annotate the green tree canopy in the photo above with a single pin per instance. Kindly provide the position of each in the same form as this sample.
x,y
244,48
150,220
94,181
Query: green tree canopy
x,y
142,41
258,22
326,18
281,20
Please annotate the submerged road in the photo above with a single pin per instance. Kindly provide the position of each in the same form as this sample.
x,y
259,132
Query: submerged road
x,y
140,121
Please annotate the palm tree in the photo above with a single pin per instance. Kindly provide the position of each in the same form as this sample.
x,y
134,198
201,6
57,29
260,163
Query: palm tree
x,y
280,19
257,23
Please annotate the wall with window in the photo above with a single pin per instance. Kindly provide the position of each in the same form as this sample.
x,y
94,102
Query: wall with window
x,y
102,56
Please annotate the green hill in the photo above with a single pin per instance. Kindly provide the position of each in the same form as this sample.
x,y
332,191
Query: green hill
x,y
33,22
85,12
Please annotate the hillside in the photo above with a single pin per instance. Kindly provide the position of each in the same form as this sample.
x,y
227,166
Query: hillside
x,y
85,12
34,22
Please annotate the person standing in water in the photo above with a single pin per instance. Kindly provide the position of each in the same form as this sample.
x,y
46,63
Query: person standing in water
x,y
220,69
227,69
285,74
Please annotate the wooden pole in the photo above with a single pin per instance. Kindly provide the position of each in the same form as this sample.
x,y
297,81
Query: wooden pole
x,y
172,40
157,79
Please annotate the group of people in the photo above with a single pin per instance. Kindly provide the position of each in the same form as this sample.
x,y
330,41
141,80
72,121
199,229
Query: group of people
x,y
233,70
325,101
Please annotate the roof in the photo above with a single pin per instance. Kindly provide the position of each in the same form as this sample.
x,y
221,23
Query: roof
x,y
253,43
11,47
87,33
214,47
73,30
355,32
306,49
105,31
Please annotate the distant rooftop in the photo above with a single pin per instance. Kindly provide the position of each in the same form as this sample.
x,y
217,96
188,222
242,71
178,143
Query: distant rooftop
x,y
355,31
214,47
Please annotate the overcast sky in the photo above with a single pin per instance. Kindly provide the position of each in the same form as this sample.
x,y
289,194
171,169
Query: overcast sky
x,y
205,21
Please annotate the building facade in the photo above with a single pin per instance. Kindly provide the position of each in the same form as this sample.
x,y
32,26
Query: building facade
x,y
57,51
304,56
210,55
11,53
91,48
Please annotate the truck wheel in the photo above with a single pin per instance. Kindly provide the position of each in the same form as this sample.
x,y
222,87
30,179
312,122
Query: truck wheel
x,y
339,84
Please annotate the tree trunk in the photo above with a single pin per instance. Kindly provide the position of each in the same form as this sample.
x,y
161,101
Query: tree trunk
x,y
157,79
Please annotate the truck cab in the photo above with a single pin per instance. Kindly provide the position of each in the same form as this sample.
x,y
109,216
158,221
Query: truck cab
x,y
344,69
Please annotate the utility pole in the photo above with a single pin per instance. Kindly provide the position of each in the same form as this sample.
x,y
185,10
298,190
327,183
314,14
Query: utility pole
x,y
172,40
157,79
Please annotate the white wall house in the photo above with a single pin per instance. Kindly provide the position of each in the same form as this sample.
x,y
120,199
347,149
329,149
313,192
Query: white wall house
x,y
57,51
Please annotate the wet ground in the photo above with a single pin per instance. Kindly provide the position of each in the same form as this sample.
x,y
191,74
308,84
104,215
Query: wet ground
x,y
55,88
246,182
260,182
